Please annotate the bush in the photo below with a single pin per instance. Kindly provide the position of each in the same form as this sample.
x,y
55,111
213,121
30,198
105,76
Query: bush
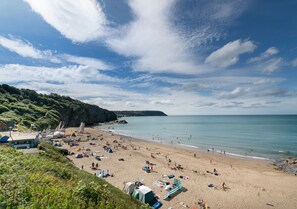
x,y
3,109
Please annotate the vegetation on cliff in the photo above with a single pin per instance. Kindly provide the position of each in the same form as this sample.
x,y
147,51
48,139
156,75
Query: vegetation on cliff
x,y
49,180
140,113
24,107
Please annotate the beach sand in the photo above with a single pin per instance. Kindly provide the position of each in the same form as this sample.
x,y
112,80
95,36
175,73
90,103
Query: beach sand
x,y
250,183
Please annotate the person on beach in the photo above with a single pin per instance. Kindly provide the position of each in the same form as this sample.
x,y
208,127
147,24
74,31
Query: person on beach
x,y
224,186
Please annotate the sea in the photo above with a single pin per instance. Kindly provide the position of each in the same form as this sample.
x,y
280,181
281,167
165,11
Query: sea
x,y
263,137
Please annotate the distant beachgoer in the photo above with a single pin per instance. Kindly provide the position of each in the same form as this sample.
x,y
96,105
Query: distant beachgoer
x,y
97,165
82,167
224,186
224,152
93,164
194,155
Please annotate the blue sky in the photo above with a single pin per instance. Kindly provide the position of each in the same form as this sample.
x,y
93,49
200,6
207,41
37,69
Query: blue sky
x,y
181,57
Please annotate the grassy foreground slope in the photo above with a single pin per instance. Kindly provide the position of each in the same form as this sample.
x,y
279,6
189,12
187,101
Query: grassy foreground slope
x,y
24,107
49,180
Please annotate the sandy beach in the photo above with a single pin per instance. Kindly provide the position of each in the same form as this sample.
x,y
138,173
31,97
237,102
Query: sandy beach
x,y
247,183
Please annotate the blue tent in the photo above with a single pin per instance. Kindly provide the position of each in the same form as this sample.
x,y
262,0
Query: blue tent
x,y
4,139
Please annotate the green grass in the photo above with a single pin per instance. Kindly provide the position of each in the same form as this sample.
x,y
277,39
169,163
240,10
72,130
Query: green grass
x,y
48,180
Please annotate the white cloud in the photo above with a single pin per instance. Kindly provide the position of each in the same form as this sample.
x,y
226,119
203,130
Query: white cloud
x,y
25,49
237,92
152,40
162,102
267,54
77,20
272,65
229,54
90,86
294,62
15,73
86,61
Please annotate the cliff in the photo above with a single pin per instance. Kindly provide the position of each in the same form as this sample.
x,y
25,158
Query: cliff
x,y
140,113
24,107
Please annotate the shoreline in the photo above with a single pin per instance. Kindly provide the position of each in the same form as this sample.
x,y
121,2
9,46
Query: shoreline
x,y
251,183
277,164
235,136
193,147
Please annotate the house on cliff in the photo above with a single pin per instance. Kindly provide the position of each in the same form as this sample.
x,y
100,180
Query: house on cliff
x,y
22,140
3,126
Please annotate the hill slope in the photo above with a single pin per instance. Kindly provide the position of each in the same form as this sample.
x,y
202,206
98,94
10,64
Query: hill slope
x,y
25,107
49,180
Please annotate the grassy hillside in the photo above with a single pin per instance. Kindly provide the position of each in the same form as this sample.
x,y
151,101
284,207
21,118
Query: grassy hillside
x,y
49,180
24,107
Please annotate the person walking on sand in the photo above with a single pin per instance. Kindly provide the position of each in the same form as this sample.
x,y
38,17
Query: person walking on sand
x,y
224,186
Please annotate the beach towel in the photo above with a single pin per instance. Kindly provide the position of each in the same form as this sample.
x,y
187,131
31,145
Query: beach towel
x,y
170,176
157,205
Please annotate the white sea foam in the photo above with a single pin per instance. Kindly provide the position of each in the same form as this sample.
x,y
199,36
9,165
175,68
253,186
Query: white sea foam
x,y
247,156
187,145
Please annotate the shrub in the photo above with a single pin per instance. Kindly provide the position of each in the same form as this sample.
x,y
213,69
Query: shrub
x,y
3,109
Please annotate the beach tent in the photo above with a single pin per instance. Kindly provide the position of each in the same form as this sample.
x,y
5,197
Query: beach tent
x,y
58,134
79,155
4,139
146,195
129,188
135,194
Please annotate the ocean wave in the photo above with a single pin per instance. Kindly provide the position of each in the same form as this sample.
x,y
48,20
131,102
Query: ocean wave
x,y
187,145
246,156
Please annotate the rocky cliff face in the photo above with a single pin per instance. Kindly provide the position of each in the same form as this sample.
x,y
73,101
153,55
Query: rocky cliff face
x,y
90,114
25,108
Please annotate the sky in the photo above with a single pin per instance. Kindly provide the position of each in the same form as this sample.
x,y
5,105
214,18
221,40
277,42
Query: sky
x,y
193,57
